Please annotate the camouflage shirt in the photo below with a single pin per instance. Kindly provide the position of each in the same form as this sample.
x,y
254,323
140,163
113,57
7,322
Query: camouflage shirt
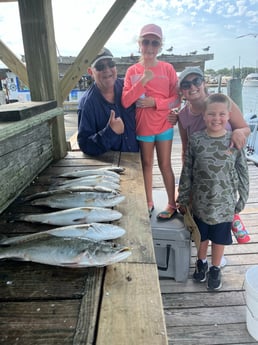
x,y
215,177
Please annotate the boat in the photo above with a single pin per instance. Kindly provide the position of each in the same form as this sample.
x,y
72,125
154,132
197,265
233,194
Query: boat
x,y
251,150
251,80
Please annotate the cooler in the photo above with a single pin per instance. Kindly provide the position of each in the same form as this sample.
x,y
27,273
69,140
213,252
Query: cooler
x,y
172,242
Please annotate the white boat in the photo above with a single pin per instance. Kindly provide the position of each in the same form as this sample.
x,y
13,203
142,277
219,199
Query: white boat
x,y
251,80
251,150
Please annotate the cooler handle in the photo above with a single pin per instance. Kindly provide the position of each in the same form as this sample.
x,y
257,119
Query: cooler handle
x,y
168,254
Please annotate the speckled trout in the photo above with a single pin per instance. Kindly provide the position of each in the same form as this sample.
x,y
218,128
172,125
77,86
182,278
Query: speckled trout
x,y
106,171
66,251
80,199
78,215
93,231
68,190
92,181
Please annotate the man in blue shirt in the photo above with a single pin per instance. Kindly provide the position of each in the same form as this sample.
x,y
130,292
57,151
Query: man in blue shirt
x,y
103,123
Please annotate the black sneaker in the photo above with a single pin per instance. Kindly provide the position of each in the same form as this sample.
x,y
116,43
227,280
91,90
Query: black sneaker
x,y
200,271
214,278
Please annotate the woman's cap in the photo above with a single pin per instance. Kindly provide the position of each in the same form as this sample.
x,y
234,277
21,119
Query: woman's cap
x,y
151,29
103,54
189,70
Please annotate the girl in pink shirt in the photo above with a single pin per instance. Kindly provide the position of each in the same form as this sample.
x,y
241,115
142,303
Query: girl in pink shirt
x,y
152,84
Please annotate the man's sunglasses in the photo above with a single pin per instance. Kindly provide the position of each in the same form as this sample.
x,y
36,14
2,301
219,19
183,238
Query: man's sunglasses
x,y
153,43
100,66
186,84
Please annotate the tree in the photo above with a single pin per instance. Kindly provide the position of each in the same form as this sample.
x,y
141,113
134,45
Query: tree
x,y
234,72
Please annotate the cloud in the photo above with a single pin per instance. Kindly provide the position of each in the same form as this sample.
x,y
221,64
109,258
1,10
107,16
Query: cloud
x,y
187,25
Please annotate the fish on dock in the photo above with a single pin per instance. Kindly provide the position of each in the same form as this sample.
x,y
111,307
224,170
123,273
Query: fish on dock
x,y
78,215
92,181
68,190
93,231
95,179
66,252
67,200
106,171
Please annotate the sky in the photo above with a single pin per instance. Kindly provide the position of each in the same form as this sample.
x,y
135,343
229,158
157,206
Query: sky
x,y
187,25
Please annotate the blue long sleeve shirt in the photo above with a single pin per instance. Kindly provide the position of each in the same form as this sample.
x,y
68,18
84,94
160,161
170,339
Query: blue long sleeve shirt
x,y
95,135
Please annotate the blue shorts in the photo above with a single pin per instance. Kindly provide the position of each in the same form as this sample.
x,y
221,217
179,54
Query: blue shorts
x,y
217,233
167,135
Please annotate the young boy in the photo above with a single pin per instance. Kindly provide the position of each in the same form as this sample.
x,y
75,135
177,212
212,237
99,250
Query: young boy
x,y
214,175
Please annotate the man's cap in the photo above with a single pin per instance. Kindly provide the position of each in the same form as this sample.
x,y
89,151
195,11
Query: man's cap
x,y
187,71
103,54
151,29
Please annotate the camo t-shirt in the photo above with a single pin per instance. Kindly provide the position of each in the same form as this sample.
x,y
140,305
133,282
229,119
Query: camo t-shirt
x,y
215,177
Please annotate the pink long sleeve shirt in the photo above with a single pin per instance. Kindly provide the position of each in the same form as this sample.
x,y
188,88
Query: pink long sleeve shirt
x,y
163,88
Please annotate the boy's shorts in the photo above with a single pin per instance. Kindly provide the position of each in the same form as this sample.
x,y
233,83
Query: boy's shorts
x,y
218,233
167,135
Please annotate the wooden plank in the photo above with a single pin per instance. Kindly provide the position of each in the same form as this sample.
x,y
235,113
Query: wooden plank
x,y
232,277
132,305
134,209
10,129
23,157
38,322
86,327
97,40
214,315
31,281
73,141
13,62
192,300
213,334
40,51
110,158
179,62
131,310
23,110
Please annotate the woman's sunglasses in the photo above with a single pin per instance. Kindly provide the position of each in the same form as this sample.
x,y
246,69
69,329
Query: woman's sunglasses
x,y
153,43
100,66
186,84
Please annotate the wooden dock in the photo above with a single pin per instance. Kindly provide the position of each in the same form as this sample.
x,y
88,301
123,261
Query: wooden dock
x,y
195,316
51,305
117,304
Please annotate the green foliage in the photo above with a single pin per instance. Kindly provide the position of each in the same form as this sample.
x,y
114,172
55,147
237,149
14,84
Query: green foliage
x,y
234,72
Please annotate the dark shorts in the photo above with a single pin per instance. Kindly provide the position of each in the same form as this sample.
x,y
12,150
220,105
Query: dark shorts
x,y
218,233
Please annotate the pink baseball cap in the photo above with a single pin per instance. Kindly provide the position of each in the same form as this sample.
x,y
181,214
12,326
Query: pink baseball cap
x,y
151,29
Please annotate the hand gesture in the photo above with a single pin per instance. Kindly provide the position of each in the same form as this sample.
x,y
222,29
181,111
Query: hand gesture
x,y
173,116
116,123
147,76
